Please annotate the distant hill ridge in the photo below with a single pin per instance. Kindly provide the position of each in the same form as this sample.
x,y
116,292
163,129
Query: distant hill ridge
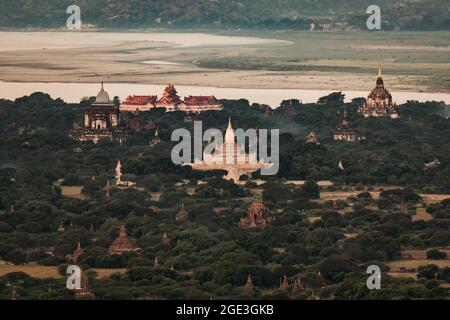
x,y
267,14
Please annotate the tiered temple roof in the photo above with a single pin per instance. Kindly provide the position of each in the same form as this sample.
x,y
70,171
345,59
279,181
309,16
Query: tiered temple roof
x,y
379,102
170,99
122,243
139,103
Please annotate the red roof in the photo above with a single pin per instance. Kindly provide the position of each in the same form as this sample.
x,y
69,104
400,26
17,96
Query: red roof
x,y
140,100
199,100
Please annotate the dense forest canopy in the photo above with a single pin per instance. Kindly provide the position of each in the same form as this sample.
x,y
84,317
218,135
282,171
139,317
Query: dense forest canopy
x,y
279,14
208,255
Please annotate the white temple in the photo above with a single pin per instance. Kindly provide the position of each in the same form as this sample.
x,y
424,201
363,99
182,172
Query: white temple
x,y
230,157
118,176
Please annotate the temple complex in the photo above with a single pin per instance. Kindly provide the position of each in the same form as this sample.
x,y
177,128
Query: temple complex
x,y
171,101
312,138
77,253
257,216
182,214
101,121
122,243
344,132
230,157
379,102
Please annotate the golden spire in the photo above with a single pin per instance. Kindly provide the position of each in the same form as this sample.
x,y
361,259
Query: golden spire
x,y
229,124
379,72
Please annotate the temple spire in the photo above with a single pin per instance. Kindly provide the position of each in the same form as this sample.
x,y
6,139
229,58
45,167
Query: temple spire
x,y
102,87
249,285
13,293
379,72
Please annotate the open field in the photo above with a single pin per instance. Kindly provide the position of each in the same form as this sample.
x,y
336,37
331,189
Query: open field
x,y
37,271
411,61
72,192
411,260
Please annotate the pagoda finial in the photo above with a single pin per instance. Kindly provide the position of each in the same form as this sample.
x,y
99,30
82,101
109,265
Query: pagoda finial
x,y
229,123
102,86
379,72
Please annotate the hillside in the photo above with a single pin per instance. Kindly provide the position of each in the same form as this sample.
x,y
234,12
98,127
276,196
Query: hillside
x,y
267,14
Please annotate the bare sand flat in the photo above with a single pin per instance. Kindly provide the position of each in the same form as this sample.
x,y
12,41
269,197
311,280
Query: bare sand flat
x,y
37,271
415,263
244,60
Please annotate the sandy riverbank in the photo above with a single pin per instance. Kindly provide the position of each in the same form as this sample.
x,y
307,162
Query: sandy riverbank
x,y
122,57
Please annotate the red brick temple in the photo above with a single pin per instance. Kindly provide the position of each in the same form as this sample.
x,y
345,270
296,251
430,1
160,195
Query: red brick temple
x,y
379,102
122,243
257,216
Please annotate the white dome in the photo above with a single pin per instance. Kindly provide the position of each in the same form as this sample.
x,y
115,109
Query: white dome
x,y
102,96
